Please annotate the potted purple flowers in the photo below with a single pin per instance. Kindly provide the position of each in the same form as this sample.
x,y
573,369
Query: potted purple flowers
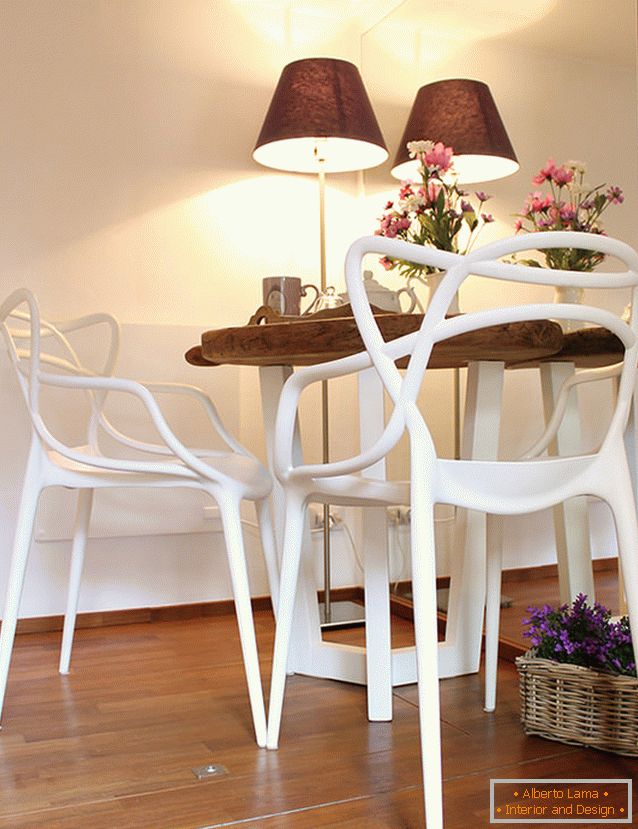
x,y
580,634
578,681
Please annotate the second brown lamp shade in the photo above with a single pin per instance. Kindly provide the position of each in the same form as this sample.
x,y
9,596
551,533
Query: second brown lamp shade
x,y
463,115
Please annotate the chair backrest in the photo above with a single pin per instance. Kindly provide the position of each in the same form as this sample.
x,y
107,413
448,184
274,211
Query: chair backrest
x,y
39,350
487,262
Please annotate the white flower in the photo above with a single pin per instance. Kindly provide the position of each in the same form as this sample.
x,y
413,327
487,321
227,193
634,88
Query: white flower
x,y
411,203
417,147
578,167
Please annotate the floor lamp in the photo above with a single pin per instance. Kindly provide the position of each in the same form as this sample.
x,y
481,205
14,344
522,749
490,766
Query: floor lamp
x,y
463,115
320,120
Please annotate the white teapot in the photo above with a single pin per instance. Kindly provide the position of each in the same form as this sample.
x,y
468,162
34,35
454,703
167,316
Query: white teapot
x,y
383,298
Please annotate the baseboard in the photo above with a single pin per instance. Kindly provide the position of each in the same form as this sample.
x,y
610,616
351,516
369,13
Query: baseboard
x,y
400,606
167,613
548,571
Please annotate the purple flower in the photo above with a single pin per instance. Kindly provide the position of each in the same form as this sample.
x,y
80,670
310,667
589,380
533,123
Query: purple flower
x,y
582,634
615,195
482,196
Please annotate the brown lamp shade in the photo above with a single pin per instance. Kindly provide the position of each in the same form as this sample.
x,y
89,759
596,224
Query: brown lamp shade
x,y
462,114
320,115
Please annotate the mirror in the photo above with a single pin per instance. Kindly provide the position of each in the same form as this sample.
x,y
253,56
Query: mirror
x,y
563,76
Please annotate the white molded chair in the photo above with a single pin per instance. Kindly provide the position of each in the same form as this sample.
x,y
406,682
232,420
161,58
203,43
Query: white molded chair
x,y
492,487
44,356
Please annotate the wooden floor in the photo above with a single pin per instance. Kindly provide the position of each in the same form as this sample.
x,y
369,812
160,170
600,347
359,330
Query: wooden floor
x,y
537,592
112,745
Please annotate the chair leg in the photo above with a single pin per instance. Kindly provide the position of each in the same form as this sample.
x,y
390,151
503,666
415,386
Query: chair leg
x,y
623,509
492,605
425,628
231,521
294,524
21,546
80,533
270,550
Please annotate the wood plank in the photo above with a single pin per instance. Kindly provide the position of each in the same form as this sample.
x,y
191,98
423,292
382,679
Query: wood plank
x,y
586,348
314,339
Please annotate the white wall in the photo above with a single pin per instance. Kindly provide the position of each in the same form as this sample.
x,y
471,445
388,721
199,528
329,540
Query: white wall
x,y
128,186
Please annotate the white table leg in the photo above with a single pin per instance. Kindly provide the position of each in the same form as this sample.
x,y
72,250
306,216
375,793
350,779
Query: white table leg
x,y
309,654
379,665
375,558
461,651
571,520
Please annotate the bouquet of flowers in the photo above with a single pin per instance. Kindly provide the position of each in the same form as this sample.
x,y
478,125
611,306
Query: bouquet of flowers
x,y
581,635
570,204
432,211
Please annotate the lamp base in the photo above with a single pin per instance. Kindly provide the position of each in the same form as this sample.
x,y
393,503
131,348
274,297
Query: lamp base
x,y
342,615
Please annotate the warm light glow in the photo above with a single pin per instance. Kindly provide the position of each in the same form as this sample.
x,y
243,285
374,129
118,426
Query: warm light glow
x,y
428,38
470,168
298,24
309,155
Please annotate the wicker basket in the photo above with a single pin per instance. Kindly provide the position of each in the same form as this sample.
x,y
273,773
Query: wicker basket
x,y
577,705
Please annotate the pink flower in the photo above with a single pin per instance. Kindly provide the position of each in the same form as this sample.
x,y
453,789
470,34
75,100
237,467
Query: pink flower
x,y
387,263
538,201
434,188
615,195
518,225
554,212
567,213
481,195
487,218
388,205
562,175
439,157
546,173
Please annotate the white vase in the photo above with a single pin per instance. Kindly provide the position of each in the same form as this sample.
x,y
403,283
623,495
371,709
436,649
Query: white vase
x,y
434,280
570,295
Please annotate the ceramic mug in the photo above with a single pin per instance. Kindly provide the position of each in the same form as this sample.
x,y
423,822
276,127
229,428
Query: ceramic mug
x,y
284,293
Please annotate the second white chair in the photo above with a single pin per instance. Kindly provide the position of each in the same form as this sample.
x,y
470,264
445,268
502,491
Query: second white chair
x,y
228,476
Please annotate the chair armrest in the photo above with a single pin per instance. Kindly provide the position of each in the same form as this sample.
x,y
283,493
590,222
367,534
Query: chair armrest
x,y
584,376
208,405
113,384
284,466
